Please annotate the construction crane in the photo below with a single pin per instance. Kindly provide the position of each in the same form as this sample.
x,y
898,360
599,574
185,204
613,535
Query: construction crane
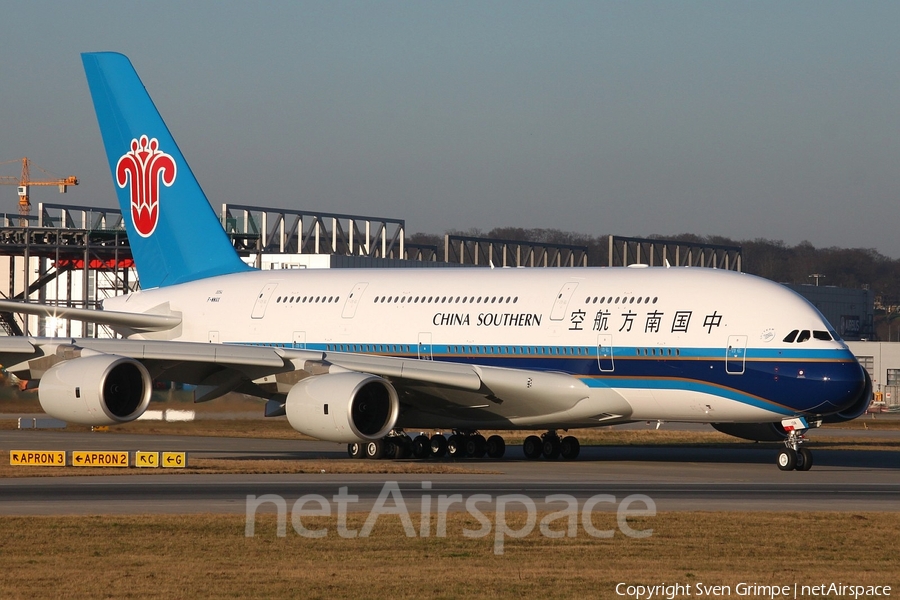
x,y
25,182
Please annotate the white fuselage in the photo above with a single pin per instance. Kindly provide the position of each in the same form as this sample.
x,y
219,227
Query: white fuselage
x,y
681,344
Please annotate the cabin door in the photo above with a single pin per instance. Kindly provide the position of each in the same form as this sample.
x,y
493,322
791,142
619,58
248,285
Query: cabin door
x,y
353,300
561,302
259,309
736,354
424,349
605,354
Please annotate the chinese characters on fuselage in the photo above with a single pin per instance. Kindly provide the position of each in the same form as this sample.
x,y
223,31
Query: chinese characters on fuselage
x,y
655,321
652,321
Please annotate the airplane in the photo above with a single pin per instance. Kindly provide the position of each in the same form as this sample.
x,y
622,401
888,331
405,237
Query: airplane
x,y
364,356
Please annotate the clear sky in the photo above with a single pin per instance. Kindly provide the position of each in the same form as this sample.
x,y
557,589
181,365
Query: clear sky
x,y
743,119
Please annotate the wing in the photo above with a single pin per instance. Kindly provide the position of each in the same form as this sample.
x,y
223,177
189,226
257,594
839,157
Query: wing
x,y
430,393
456,395
223,368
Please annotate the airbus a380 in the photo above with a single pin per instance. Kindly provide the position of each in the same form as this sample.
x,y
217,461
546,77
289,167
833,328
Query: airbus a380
x,y
362,356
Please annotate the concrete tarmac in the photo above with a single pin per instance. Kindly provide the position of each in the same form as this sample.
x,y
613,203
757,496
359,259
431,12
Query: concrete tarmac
x,y
673,477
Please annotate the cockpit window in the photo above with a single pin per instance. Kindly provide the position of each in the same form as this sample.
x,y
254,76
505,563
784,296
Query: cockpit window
x,y
804,336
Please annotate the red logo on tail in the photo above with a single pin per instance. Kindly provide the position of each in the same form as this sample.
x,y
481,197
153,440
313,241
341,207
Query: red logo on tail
x,y
145,167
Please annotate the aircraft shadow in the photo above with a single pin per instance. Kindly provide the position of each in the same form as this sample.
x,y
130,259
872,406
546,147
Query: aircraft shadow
x,y
712,454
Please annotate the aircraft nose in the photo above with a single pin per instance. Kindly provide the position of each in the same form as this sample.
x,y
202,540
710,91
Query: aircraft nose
x,y
851,394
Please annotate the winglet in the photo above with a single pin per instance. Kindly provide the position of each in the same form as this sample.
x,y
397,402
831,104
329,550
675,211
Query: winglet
x,y
174,234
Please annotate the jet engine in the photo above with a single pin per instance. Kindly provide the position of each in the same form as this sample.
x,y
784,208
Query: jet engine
x,y
343,407
96,390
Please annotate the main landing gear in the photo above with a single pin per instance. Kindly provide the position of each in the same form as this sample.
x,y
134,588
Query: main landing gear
x,y
551,447
794,456
463,444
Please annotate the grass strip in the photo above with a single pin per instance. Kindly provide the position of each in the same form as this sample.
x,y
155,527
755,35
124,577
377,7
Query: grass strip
x,y
208,556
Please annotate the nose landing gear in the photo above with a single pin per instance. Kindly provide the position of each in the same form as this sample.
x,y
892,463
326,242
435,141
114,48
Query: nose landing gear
x,y
795,457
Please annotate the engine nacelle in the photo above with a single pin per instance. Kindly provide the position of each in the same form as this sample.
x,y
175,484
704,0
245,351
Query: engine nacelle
x,y
757,432
96,390
343,407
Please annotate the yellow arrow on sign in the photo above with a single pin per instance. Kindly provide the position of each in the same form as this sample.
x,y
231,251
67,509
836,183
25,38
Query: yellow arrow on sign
x,y
174,460
100,459
38,458
146,459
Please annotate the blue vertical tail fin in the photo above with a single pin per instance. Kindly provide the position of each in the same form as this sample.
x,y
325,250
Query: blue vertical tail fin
x,y
174,234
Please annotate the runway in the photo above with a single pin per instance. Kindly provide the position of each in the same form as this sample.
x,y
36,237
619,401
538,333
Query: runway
x,y
673,477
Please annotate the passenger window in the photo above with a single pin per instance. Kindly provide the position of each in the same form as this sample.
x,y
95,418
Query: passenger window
x,y
789,338
804,336
822,335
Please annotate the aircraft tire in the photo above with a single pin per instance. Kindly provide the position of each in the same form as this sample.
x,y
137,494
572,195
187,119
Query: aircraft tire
x,y
356,450
804,460
532,447
787,459
569,448
496,446
402,447
438,446
376,449
550,447
421,446
476,446
456,446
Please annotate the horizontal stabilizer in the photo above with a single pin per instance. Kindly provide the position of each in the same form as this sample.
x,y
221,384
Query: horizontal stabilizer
x,y
135,321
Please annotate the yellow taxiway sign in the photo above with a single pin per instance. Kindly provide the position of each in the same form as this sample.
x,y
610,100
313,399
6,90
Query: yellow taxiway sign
x,y
100,459
39,458
174,460
146,459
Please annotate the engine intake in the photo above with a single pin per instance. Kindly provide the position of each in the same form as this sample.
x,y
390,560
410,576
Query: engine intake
x,y
96,390
343,407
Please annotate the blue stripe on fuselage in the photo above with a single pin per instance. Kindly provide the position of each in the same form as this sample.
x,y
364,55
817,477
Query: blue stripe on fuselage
x,y
815,381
